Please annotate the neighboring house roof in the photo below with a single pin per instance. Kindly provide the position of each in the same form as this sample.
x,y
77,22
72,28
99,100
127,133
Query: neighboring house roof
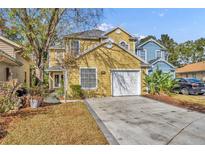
x,y
10,58
10,42
89,34
154,61
151,40
107,41
195,67
54,68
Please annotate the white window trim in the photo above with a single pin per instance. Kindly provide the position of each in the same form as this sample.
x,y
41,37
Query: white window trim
x,y
138,53
78,44
60,74
128,46
165,52
156,54
56,55
96,74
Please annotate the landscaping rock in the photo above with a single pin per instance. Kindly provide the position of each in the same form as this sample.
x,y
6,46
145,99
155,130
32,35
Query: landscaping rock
x,y
52,98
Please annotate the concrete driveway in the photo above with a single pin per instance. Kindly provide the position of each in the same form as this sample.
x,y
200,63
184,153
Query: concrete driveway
x,y
139,120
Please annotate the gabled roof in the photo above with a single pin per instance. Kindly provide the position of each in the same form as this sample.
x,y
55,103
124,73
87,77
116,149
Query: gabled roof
x,y
151,40
10,42
160,59
54,68
10,58
96,34
107,41
89,34
153,60
195,67
122,29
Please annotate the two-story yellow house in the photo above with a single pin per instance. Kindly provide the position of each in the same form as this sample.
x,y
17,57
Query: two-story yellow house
x,y
13,65
107,64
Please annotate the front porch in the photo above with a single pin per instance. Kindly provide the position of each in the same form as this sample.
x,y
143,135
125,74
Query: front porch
x,y
56,77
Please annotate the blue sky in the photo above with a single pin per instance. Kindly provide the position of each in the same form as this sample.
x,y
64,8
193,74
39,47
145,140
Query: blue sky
x,y
180,24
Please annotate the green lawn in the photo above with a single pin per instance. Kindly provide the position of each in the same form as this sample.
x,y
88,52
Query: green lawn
x,y
69,123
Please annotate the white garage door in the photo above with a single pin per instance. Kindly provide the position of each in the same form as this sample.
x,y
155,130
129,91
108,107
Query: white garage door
x,y
125,83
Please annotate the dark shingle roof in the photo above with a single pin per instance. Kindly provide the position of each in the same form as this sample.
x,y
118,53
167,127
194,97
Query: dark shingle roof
x,y
91,34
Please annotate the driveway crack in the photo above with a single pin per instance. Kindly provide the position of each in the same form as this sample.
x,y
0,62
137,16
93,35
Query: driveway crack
x,y
184,129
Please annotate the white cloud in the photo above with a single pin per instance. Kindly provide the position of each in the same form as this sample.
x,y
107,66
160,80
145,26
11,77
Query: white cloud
x,y
104,26
139,36
161,14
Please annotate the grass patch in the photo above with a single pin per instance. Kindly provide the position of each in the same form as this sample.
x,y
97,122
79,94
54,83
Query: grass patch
x,y
196,103
190,98
69,123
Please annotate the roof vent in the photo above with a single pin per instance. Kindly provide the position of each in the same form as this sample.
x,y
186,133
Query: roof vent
x,y
118,31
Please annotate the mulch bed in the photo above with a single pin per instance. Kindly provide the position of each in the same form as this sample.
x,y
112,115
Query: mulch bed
x,y
184,104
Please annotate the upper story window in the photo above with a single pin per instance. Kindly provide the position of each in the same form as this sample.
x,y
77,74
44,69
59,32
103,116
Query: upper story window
x,y
75,47
59,55
141,54
124,44
159,54
166,55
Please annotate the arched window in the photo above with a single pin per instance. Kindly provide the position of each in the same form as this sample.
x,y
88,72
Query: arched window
x,y
124,44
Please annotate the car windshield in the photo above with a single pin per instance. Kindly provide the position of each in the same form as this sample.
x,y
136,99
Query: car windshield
x,y
193,80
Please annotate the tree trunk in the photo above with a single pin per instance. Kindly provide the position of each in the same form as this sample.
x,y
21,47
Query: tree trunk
x,y
39,72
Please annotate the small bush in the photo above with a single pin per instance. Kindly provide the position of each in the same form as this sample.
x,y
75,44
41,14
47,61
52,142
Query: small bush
x,y
77,92
60,91
38,91
8,97
89,93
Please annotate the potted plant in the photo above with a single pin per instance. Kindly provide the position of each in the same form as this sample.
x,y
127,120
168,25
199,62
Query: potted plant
x,y
36,96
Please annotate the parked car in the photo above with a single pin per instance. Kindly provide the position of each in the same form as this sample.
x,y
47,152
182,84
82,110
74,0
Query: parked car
x,y
190,86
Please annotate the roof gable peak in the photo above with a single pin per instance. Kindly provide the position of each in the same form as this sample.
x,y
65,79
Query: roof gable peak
x,y
154,41
115,28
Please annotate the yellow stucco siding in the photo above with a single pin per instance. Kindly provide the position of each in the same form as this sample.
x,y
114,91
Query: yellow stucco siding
x,y
104,60
52,60
87,44
122,36
84,43
52,57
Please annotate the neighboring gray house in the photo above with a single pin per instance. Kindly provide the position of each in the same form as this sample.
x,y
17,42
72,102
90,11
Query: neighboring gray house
x,y
156,55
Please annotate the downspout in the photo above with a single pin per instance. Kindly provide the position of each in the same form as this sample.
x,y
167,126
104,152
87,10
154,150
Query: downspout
x,y
65,84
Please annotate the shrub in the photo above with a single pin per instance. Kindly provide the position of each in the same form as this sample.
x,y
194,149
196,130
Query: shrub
x,y
77,92
8,97
90,94
60,91
159,82
38,91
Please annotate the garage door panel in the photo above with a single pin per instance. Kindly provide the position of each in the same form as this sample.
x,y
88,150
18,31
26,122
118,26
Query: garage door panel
x,y
125,83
